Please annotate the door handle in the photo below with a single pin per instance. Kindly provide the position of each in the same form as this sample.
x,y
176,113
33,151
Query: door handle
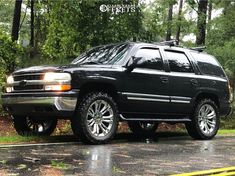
x,y
194,82
164,79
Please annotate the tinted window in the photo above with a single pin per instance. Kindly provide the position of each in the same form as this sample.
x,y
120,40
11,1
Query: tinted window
x,y
152,56
178,62
208,64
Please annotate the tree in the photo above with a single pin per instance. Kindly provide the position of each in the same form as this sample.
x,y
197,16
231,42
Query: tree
x,y
32,24
179,20
16,20
201,22
169,21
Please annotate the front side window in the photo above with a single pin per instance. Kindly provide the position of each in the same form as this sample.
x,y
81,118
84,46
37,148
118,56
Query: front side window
x,y
152,57
178,62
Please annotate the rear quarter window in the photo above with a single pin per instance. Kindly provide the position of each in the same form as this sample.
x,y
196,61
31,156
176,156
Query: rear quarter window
x,y
208,64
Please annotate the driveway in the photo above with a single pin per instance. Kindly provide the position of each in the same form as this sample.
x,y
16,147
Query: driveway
x,y
126,155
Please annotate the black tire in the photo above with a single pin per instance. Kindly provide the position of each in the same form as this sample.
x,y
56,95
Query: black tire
x,y
143,128
197,131
79,122
26,126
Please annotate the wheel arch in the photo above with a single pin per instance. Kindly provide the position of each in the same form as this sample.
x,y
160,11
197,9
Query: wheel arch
x,y
211,96
98,86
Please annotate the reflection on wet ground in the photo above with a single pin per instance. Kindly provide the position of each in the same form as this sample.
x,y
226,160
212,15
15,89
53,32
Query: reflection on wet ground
x,y
126,155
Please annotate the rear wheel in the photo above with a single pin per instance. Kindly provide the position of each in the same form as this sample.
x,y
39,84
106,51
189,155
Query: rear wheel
x,y
143,128
96,119
27,126
205,121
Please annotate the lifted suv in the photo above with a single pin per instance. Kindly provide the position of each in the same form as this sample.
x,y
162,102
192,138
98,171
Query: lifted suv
x,y
143,84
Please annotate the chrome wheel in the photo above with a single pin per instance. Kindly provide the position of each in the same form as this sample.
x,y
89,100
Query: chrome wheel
x,y
207,119
100,118
38,126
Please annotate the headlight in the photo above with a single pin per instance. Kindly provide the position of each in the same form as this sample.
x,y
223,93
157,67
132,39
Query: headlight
x,y
57,81
51,76
10,79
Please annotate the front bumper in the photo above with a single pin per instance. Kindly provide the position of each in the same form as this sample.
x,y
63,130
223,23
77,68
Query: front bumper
x,y
41,104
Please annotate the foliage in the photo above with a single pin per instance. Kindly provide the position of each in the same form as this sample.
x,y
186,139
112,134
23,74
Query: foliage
x,y
75,26
10,54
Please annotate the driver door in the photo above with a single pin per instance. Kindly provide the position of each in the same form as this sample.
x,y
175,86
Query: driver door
x,y
146,87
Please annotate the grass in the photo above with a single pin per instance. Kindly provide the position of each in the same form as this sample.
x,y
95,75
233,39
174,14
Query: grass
x,y
226,132
19,139
16,139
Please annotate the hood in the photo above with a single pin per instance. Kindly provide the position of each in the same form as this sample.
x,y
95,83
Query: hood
x,y
37,69
68,68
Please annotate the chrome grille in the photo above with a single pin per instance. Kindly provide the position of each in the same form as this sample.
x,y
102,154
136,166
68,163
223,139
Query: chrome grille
x,y
28,77
28,82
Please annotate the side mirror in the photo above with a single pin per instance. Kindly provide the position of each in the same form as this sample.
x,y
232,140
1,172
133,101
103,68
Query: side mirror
x,y
135,62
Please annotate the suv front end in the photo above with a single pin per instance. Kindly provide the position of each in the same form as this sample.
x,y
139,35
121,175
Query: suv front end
x,y
40,93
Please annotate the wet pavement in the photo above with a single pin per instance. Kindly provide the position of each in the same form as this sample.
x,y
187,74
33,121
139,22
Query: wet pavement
x,y
126,155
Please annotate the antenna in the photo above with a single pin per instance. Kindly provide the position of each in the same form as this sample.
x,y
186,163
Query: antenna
x,y
199,49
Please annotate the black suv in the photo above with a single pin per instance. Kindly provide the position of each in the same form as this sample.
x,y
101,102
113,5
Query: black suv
x,y
143,84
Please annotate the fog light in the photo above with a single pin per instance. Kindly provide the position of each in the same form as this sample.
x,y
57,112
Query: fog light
x,y
9,89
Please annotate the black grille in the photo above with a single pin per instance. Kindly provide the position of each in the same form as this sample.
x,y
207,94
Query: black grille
x,y
28,87
27,77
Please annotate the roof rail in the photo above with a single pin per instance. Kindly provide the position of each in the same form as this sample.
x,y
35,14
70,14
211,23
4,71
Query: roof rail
x,y
170,43
199,48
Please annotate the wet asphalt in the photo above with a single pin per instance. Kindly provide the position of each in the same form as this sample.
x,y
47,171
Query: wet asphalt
x,y
125,155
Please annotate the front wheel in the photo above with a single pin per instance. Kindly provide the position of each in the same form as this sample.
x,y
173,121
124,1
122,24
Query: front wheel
x,y
205,121
27,126
143,128
96,118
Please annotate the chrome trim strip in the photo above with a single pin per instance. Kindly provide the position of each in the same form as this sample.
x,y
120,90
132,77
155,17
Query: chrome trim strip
x,y
147,99
145,95
179,101
180,98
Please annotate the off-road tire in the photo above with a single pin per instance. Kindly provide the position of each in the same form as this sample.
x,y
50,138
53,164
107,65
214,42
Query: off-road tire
x,y
79,120
22,128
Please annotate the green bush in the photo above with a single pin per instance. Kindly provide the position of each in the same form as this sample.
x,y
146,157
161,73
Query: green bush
x,y
10,55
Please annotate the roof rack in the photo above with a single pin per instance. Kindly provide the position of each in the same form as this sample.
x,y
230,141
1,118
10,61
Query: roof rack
x,y
170,43
199,49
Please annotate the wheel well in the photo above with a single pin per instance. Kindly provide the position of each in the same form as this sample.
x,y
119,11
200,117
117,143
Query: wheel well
x,y
95,86
210,96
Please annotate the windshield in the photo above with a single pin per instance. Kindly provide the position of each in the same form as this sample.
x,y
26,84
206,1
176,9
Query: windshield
x,y
108,55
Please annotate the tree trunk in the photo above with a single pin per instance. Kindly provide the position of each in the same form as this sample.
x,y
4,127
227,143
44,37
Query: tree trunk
x,y
179,21
16,20
209,15
169,21
209,10
32,24
201,22
31,54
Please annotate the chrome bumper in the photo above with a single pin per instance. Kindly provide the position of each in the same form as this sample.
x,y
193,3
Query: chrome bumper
x,y
60,103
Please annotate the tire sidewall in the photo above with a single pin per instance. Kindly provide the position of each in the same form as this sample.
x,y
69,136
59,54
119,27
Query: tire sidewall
x,y
83,109
198,107
20,125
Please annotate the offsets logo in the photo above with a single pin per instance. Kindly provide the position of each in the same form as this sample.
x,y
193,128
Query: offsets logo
x,y
118,8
